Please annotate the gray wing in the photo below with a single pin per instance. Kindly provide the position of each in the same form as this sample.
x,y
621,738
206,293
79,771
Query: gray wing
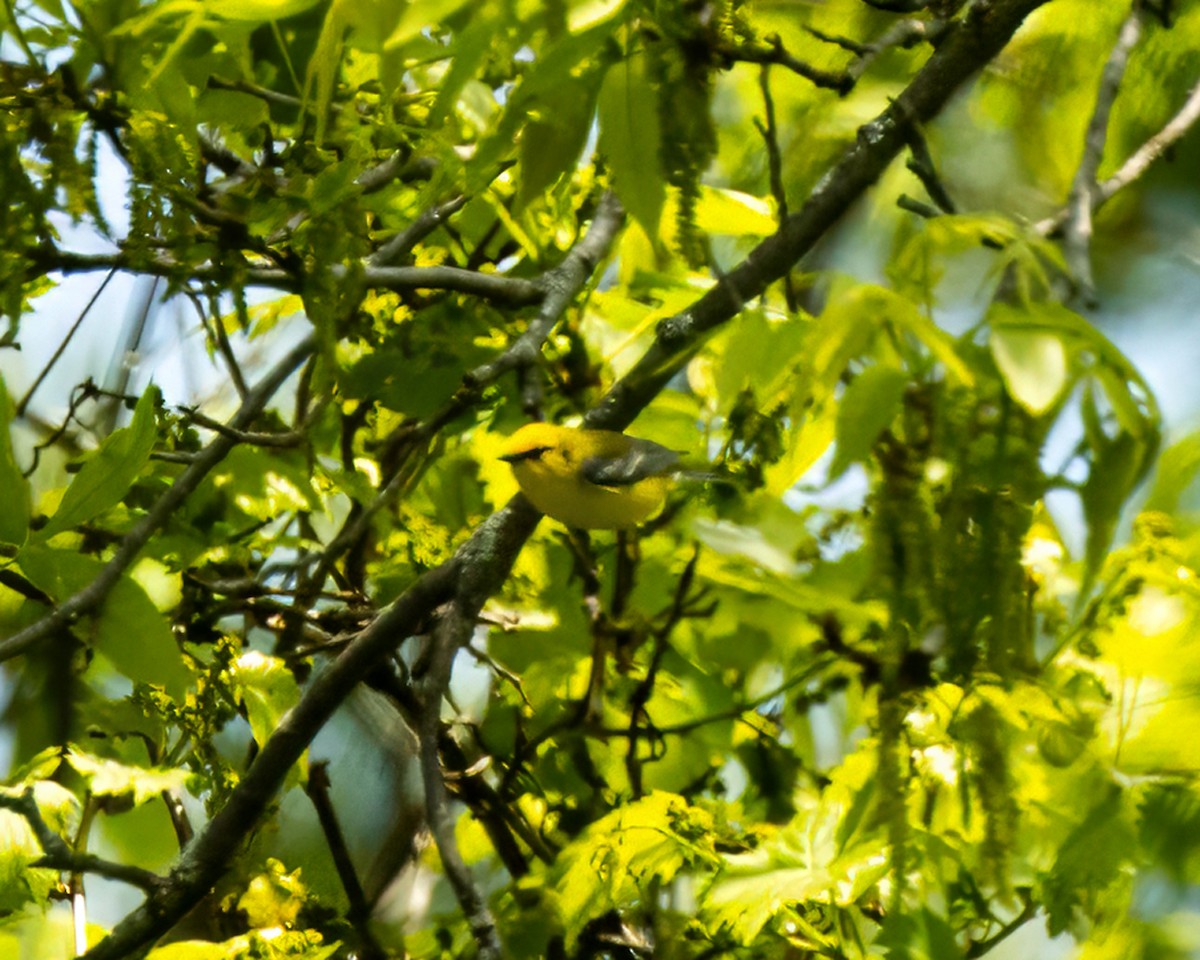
x,y
644,459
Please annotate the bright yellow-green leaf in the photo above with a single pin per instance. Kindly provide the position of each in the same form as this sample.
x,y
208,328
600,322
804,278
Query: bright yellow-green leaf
x,y
267,689
110,778
806,444
417,16
1033,364
256,10
630,138
110,472
273,899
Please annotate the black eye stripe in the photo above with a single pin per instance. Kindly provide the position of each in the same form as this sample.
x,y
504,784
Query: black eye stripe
x,y
533,453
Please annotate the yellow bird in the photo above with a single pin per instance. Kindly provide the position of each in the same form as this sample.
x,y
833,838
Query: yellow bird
x,y
591,479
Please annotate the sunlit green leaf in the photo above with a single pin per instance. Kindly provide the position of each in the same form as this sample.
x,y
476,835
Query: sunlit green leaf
x,y
109,473
109,778
267,689
630,138
1033,363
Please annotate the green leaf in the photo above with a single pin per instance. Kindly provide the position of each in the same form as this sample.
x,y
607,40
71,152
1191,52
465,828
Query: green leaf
x,y
555,135
921,933
201,950
19,883
257,10
413,382
111,778
419,15
624,855
1131,397
1033,364
267,689
232,109
14,514
130,631
469,47
1175,472
870,403
555,66
1091,858
110,472
630,138
1116,465
275,944
138,641
731,213
323,66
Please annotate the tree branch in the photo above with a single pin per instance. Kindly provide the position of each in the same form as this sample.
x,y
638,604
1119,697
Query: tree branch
x,y
775,52
966,46
317,789
482,564
1077,229
399,246
59,856
454,630
475,571
497,288
560,285
1138,163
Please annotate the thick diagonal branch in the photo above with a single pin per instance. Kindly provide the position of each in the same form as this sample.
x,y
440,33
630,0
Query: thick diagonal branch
x,y
481,565
965,48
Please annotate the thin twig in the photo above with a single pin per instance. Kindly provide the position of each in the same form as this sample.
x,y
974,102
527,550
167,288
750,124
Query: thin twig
x,y
14,22
399,246
509,291
399,166
776,52
919,207
62,346
225,348
254,90
922,165
1077,228
317,788
291,438
560,285
770,134
1138,163
979,948
453,632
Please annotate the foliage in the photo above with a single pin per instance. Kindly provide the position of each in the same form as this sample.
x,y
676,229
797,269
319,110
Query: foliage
x,y
910,724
